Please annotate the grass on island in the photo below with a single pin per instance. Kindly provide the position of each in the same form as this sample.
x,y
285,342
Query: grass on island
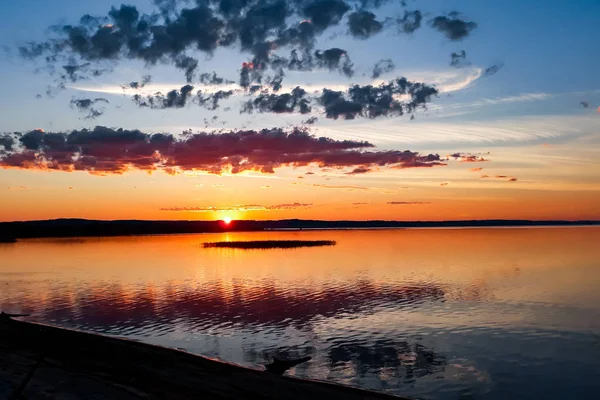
x,y
270,244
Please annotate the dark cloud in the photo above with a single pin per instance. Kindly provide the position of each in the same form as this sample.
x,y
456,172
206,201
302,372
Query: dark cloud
x,y
325,13
166,7
171,32
491,70
74,72
359,170
213,79
376,101
453,27
146,79
90,106
410,21
335,59
310,121
259,26
173,99
188,65
276,81
7,142
211,101
396,97
114,151
363,24
283,103
468,158
459,59
402,203
383,67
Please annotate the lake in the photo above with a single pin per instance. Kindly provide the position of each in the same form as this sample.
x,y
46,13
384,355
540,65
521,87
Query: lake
x,y
429,313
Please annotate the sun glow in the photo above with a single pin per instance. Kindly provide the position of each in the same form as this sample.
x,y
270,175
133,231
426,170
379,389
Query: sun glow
x,y
227,220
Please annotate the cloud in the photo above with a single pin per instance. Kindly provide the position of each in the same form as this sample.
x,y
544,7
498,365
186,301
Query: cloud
x,y
146,79
359,170
213,79
363,24
476,169
265,187
282,103
240,207
403,203
360,204
493,69
7,142
173,99
105,150
256,26
396,97
444,184
18,188
452,27
261,29
467,157
508,178
382,67
89,106
376,101
459,59
341,187
410,21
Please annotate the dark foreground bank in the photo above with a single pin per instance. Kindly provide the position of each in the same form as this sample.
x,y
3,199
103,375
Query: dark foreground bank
x,y
83,227
41,362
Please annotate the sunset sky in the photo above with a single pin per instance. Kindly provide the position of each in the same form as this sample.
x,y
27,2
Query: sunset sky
x,y
509,128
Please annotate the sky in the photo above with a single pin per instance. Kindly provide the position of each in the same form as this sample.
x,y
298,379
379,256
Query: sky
x,y
174,109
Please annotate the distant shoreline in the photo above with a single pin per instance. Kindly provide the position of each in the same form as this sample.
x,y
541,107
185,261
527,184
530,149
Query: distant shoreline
x,y
61,228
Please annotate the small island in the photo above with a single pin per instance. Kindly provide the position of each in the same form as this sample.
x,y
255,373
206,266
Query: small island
x,y
270,244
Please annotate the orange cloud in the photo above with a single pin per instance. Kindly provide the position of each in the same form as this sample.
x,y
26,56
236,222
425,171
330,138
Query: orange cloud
x,y
115,151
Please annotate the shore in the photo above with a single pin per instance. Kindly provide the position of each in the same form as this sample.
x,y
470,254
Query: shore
x,y
61,228
44,362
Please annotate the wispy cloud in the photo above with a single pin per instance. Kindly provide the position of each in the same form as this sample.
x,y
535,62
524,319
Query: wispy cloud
x,y
406,203
341,187
240,207
539,128
505,177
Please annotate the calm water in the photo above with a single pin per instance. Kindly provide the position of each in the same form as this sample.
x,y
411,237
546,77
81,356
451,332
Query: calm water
x,y
430,313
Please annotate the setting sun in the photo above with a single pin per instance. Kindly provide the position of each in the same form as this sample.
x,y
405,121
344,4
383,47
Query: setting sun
x,y
227,220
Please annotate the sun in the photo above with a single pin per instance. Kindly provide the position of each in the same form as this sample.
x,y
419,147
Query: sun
x,y
227,220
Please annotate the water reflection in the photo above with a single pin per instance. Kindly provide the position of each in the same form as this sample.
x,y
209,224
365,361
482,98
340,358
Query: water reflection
x,y
103,307
399,359
427,313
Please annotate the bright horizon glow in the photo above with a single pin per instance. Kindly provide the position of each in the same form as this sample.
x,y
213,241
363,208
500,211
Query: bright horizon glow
x,y
227,220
